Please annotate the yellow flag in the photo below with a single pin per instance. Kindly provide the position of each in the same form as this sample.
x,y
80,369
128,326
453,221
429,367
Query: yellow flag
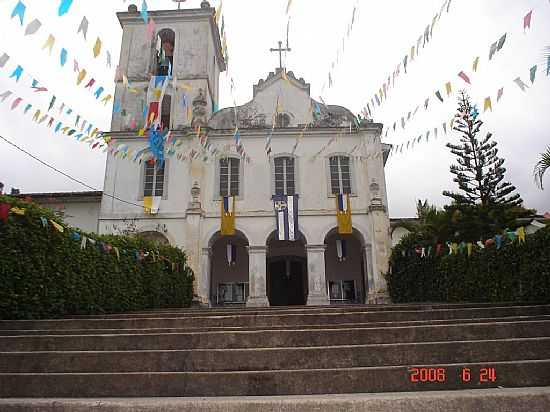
x,y
148,204
36,116
18,211
487,105
521,234
470,247
343,215
449,88
228,217
97,47
476,62
106,99
49,44
454,248
141,132
219,12
117,253
81,76
57,226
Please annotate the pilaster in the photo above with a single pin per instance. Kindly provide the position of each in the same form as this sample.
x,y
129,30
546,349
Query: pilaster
x,y
316,275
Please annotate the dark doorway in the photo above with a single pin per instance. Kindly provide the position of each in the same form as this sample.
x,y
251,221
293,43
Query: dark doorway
x,y
286,282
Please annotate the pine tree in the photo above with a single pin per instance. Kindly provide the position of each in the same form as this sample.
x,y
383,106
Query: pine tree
x,y
480,172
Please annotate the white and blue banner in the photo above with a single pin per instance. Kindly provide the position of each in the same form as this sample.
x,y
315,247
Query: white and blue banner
x,y
286,209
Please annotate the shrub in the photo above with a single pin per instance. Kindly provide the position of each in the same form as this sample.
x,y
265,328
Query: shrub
x,y
45,273
513,273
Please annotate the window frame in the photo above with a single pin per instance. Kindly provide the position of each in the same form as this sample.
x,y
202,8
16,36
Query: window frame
x,y
296,172
352,174
217,181
141,189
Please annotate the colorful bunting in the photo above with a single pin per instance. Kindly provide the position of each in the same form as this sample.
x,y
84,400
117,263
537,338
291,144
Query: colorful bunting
x,y
64,7
475,65
49,44
17,73
533,73
500,93
97,47
487,105
83,27
63,57
521,84
16,103
4,59
81,76
464,77
449,88
19,11
438,95
33,27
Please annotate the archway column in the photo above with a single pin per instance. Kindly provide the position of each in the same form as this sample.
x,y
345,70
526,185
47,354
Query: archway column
x,y
204,281
317,294
257,274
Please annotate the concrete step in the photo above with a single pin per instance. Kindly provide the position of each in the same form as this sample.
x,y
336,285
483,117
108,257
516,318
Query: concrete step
x,y
269,320
480,400
280,310
266,359
277,338
198,329
530,373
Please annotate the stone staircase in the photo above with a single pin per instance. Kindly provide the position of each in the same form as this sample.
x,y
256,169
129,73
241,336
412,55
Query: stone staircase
x,y
277,351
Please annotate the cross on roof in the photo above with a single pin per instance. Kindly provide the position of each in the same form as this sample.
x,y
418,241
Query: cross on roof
x,y
280,50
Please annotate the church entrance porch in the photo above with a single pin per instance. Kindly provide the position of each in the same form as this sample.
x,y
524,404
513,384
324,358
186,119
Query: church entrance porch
x,y
229,283
286,271
286,281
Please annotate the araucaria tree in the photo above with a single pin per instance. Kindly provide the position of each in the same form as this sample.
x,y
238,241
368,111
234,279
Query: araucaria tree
x,y
480,172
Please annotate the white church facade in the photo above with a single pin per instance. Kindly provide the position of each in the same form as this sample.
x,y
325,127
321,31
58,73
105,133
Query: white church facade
x,y
288,144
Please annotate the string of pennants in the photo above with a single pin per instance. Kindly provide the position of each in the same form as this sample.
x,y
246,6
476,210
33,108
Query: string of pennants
x,y
141,256
507,238
81,73
487,106
449,87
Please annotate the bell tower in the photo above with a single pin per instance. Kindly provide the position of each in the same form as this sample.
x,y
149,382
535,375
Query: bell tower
x,y
183,44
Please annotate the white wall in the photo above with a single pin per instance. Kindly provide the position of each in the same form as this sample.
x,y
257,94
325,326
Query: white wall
x,y
82,215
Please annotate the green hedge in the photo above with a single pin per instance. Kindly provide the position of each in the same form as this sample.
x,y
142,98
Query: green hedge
x,y
513,273
44,273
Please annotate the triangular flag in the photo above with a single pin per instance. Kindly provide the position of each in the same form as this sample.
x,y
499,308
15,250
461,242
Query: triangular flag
x,y
4,59
501,42
533,73
29,107
76,68
64,7
527,20
16,103
49,44
475,65
521,84
19,11
493,50
98,92
109,64
90,83
144,13
97,47
57,226
106,99
500,93
63,57
17,73
52,102
33,27
548,66
449,88
464,77
438,95
487,105
5,95
150,29
83,27
81,76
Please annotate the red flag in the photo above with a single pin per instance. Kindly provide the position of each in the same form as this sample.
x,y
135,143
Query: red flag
x,y
4,212
153,113
527,20
464,77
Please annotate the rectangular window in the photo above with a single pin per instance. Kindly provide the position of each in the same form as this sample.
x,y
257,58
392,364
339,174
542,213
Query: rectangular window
x,y
340,175
229,176
285,183
154,180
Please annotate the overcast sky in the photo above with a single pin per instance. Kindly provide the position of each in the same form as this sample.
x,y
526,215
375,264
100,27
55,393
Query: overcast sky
x,y
383,33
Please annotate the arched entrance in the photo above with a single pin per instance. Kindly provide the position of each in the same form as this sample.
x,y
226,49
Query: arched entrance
x,y
344,267
286,271
229,269
154,236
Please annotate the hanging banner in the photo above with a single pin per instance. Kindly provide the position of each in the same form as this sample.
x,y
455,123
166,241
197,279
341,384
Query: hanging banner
x,y
227,216
343,216
286,216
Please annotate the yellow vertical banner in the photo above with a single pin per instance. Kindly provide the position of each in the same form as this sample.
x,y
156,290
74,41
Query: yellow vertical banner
x,y
228,217
343,215
148,204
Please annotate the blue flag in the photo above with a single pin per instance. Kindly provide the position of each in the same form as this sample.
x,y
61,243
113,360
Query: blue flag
x,y
19,11
63,57
64,7
286,217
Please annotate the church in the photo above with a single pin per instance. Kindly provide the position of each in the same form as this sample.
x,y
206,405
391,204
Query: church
x,y
279,201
